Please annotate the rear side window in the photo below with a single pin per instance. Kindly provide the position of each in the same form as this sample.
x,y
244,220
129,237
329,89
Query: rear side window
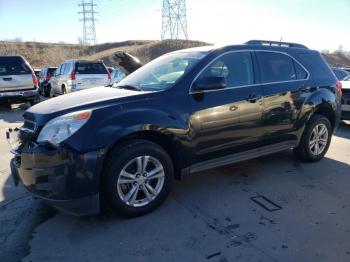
x,y
13,66
277,67
90,68
301,73
236,67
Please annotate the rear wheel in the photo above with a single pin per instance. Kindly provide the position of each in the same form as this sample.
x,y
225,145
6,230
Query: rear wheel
x,y
137,178
315,140
64,90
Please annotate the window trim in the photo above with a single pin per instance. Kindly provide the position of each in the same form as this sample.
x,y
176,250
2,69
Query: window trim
x,y
257,84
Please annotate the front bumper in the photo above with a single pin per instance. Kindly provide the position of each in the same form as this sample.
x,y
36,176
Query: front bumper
x,y
65,179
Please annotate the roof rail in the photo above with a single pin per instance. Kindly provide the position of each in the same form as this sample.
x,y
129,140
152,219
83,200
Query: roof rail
x,y
274,43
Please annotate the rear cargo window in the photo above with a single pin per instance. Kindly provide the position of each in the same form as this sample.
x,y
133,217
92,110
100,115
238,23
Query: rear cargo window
x,y
13,66
90,68
276,67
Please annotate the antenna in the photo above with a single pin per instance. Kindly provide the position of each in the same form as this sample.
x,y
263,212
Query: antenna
x,y
88,12
174,21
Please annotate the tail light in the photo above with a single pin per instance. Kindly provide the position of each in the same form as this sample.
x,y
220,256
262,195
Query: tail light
x,y
339,88
72,75
35,81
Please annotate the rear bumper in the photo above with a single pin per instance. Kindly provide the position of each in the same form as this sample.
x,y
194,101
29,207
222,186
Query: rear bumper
x,y
66,180
20,96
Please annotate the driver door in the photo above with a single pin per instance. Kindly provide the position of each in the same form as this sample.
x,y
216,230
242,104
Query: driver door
x,y
227,121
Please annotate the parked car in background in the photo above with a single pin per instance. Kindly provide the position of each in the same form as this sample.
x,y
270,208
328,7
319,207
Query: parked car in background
x,y
37,72
44,78
346,98
340,73
110,69
184,112
116,76
75,75
18,82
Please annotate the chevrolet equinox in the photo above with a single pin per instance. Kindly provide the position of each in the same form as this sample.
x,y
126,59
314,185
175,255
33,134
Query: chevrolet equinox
x,y
184,112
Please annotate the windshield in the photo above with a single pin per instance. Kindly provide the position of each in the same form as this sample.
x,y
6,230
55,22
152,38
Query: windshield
x,y
163,72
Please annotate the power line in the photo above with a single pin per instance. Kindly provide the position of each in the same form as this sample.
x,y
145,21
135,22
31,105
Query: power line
x,y
88,12
174,21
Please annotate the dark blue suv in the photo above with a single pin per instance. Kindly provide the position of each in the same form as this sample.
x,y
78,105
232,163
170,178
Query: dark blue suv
x,y
184,112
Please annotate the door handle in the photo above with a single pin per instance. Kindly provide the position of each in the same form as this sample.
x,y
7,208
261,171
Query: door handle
x,y
7,78
233,108
252,98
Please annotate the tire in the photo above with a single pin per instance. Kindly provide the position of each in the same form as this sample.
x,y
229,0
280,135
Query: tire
x,y
47,91
306,150
64,90
125,159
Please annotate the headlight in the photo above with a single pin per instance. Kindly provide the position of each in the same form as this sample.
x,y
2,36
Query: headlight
x,y
62,127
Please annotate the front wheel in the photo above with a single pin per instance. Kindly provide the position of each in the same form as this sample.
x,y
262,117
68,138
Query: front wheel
x,y
137,178
315,140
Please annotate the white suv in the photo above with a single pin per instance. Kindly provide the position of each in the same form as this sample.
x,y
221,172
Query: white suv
x,y
75,75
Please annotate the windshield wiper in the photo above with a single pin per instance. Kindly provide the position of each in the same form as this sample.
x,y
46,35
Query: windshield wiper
x,y
130,87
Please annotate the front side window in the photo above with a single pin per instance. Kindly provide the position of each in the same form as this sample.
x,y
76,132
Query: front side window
x,y
163,72
235,67
278,67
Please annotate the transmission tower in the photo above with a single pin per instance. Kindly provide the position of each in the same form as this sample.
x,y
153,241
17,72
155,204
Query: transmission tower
x,y
88,12
174,21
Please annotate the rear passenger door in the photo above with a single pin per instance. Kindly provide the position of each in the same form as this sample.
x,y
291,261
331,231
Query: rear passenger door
x,y
284,90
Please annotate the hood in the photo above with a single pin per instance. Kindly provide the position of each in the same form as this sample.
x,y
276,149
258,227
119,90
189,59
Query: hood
x,y
77,101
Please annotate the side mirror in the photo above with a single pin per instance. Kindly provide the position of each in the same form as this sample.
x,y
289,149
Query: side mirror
x,y
209,83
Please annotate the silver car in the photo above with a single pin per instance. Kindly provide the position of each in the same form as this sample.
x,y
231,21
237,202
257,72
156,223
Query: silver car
x,y
18,82
75,75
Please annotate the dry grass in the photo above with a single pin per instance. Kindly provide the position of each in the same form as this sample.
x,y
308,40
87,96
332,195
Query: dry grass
x,y
46,54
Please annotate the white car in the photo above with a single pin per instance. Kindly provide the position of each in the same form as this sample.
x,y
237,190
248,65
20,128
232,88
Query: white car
x,y
75,75
345,101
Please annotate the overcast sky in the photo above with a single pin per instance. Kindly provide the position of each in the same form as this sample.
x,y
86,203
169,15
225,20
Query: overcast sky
x,y
319,24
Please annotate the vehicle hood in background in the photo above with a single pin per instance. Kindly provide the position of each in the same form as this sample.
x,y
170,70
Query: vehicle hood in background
x,y
126,62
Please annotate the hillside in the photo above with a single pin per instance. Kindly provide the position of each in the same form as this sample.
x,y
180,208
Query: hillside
x,y
48,54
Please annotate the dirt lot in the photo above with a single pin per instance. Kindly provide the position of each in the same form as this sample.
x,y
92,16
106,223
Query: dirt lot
x,y
211,216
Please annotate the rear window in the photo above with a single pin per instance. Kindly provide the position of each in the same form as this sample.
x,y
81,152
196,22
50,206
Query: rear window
x,y
51,71
90,68
13,66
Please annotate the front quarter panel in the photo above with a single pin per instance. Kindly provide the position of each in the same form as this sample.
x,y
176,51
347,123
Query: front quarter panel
x,y
111,123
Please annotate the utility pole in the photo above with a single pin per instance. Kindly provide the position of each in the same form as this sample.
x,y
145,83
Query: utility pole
x,y
174,21
88,12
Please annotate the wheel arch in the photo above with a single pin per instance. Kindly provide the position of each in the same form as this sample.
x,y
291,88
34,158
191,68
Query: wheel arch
x,y
167,142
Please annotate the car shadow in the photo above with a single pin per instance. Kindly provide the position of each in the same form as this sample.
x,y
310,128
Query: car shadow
x,y
343,130
13,113
196,198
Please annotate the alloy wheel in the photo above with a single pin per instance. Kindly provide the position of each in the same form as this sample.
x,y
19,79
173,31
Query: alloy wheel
x,y
318,139
140,181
